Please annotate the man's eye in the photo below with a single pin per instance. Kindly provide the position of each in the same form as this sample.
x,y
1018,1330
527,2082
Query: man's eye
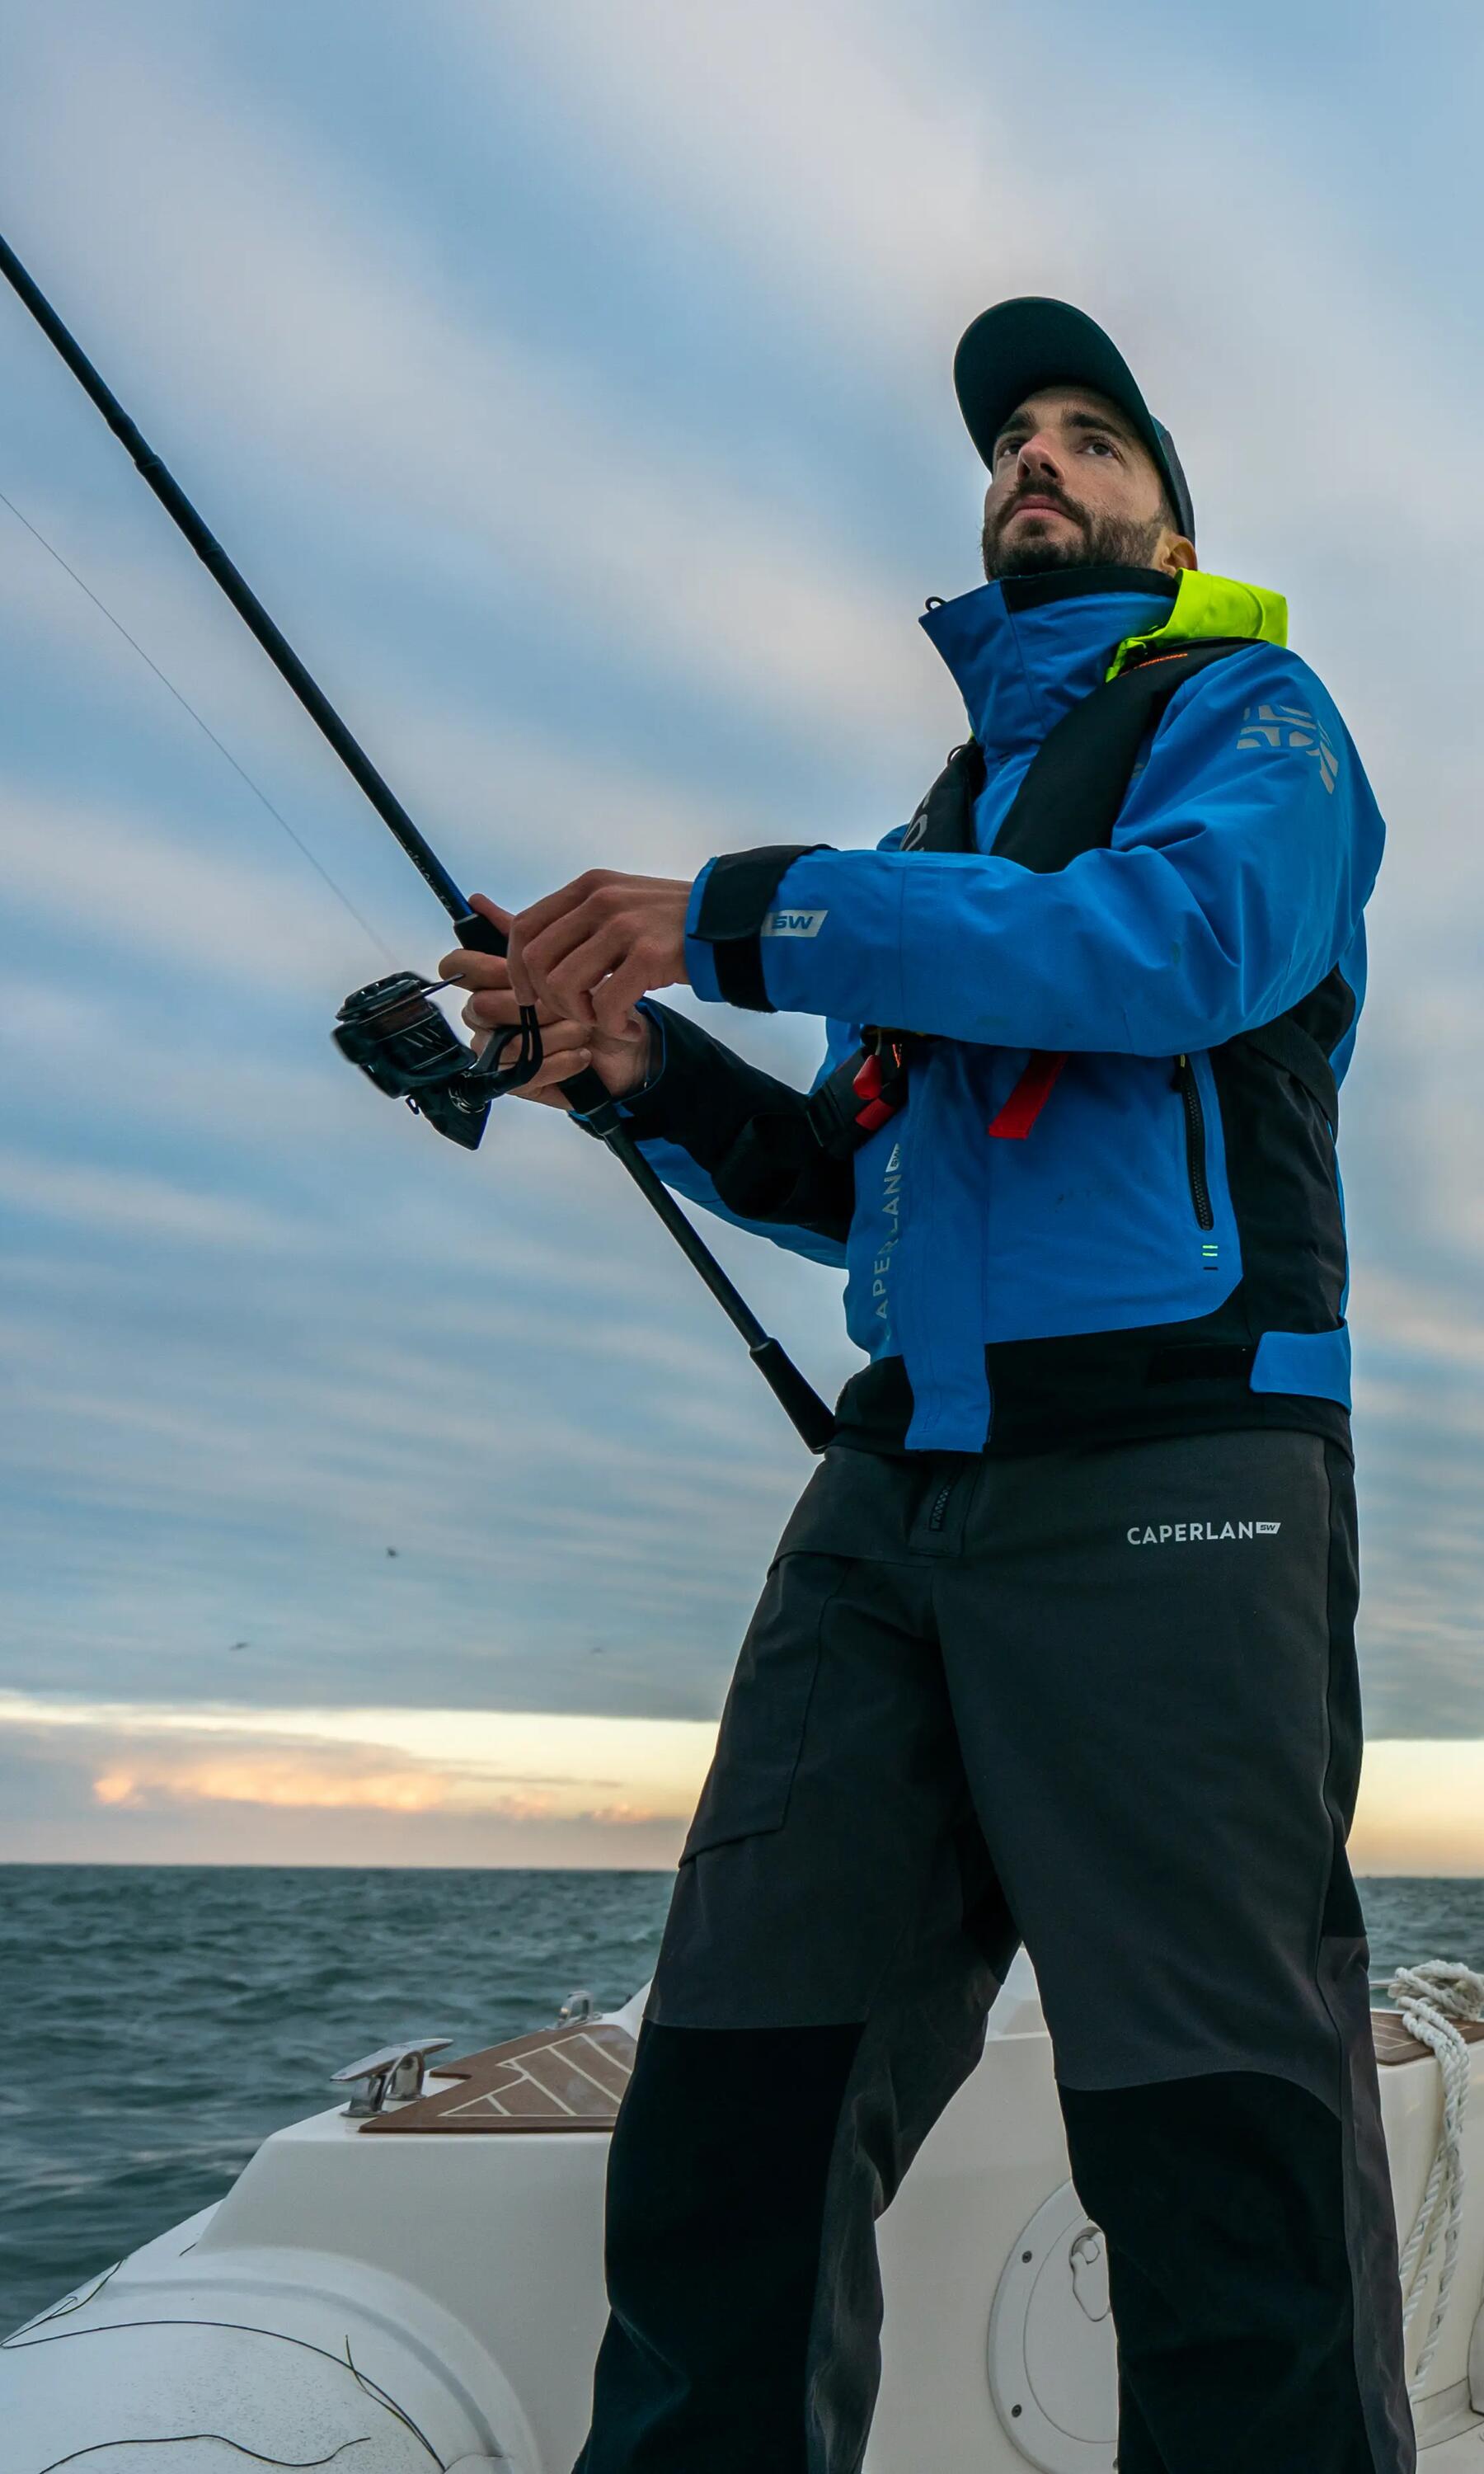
x,y
1102,445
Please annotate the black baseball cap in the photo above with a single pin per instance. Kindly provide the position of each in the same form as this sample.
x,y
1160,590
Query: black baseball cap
x,y
1019,347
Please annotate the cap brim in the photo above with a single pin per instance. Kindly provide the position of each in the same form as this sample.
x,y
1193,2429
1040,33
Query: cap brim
x,y
1020,347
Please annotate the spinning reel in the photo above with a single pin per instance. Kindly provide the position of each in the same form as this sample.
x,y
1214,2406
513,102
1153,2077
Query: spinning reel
x,y
405,1046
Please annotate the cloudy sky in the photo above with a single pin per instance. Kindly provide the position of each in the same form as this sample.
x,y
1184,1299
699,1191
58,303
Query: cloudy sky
x,y
572,382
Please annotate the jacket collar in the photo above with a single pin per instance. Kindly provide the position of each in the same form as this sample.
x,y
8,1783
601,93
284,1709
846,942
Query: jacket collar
x,y
1023,651
1214,605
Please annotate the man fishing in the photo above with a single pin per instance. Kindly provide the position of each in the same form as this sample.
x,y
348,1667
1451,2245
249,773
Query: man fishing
x,y
1058,1646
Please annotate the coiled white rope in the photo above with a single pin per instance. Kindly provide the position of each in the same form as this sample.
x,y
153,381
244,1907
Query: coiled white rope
x,y
1432,1998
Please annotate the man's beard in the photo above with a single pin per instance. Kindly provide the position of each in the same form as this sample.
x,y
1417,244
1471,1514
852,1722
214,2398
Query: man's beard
x,y
1099,540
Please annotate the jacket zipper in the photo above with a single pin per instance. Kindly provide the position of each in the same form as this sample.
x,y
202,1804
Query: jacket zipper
x,y
1186,1083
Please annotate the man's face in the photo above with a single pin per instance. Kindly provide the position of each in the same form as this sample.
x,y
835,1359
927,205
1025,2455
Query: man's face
x,y
1072,486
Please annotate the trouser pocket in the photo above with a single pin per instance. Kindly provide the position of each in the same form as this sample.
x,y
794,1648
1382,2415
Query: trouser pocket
x,y
762,1728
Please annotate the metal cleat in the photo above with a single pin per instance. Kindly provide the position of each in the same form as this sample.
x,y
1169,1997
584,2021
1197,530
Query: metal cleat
x,y
392,2077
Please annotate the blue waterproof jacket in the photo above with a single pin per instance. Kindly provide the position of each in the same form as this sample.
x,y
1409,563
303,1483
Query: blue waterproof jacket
x,y
1163,1246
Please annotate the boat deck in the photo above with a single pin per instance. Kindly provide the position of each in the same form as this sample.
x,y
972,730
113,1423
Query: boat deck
x,y
573,2078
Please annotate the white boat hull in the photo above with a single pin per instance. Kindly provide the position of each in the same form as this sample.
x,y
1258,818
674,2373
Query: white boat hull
x,y
393,2303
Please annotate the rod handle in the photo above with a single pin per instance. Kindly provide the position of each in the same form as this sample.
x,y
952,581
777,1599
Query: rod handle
x,y
797,1399
473,934
587,1092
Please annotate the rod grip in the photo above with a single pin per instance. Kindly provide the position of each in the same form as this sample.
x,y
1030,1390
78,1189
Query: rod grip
x,y
476,934
588,1093
799,1400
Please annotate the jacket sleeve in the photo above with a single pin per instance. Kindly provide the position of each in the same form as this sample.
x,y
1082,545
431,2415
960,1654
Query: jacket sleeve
x,y
1241,863
734,1139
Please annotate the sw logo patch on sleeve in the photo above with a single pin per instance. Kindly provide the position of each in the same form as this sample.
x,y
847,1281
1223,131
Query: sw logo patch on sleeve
x,y
793,923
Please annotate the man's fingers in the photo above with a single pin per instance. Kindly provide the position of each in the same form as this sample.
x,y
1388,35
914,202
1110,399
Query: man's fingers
x,y
543,956
564,1038
526,925
607,976
561,1043
557,1065
475,970
563,948
570,978
553,906
561,922
490,1011
491,911
520,975
479,970
615,998
497,1005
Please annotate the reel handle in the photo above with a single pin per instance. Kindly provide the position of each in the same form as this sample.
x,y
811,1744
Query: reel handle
x,y
477,934
586,1091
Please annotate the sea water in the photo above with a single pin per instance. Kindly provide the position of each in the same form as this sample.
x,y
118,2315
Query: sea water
x,y
159,2021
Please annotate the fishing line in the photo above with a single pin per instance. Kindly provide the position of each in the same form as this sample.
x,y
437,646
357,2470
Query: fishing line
x,y
186,705
389,1030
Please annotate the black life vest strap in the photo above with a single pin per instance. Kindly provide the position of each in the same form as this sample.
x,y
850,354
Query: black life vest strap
x,y
944,818
1068,802
854,1101
1078,779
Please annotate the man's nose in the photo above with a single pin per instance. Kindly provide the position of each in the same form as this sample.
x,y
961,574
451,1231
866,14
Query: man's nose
x,y
1037,459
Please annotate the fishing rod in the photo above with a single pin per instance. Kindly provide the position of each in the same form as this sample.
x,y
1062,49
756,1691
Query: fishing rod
x,y
389,1029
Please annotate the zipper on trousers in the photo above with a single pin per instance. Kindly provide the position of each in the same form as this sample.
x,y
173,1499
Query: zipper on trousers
x,y
941,1500
1184,1082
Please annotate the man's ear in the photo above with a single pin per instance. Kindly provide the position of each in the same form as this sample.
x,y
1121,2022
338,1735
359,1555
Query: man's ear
x,y
1176,555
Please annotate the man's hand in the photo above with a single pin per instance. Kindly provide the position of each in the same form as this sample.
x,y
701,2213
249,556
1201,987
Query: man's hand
x,y
591,951
620,1057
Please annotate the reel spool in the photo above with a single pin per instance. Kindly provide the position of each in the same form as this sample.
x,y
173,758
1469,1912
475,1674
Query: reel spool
x,y
403,1045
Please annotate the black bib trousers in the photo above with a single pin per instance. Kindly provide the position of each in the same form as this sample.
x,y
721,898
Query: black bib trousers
x,y
1105,1703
